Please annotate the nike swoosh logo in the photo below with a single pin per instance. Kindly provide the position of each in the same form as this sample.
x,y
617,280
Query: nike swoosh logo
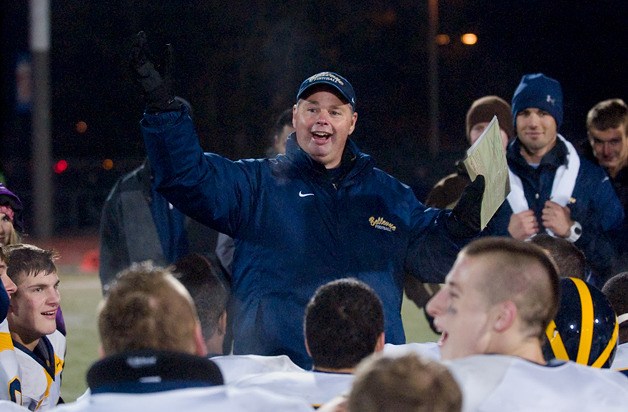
x,y
301,194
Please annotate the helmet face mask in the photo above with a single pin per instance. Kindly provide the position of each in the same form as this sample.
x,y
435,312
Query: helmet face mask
x,y
585,329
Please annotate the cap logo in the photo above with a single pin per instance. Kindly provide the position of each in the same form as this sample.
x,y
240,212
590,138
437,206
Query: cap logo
x,y
550,100
326,76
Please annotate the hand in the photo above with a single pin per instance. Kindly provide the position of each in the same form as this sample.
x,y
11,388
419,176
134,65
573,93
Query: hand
x,y
523,225
557,218
465,218
155,87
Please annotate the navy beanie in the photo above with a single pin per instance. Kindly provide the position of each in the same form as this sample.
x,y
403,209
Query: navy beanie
x,y
541,92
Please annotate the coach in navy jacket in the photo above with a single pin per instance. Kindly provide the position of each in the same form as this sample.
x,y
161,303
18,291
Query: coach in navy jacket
x,y
300,220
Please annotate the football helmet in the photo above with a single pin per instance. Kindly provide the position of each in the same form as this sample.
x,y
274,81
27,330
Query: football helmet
x,y
585,329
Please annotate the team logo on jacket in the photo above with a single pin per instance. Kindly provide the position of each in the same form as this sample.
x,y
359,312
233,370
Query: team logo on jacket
x,y
382,224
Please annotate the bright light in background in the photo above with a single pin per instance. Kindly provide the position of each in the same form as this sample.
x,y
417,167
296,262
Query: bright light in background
x,y
61,166
443,39
469,39
107,164
81,127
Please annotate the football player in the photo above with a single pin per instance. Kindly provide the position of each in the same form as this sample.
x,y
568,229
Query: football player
x,y
493,311
39,346
10,387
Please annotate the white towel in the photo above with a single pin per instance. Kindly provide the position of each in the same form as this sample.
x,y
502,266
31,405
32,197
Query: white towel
x,y
562,187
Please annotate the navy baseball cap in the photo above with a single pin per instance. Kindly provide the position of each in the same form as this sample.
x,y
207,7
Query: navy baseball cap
x,y
332,79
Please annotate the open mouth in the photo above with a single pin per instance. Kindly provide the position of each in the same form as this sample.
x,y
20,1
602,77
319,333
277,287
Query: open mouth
x,y
321,136
443,337
51,313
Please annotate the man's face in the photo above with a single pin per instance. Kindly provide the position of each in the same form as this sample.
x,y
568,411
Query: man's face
x,y
461,311
536,130
34,307
610,147
323,123
9,286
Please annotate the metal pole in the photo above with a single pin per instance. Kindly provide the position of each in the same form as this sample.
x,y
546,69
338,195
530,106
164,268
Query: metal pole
x,y
433,137
42,149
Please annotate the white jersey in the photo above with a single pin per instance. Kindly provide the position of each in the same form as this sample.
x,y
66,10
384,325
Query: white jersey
x,y
215,398
620,362
235,367
8,406
316,388
10,383
498,383
429,350
41,384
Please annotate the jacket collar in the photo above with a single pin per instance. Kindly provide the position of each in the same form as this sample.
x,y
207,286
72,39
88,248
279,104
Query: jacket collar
x,y
554,158
146,371
353,161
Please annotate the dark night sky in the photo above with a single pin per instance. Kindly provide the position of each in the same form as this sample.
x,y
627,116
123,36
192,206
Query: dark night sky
x,y
241,64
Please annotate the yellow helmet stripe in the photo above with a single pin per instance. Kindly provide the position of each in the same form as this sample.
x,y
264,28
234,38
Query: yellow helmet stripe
x,y
601,360
556,342
586,323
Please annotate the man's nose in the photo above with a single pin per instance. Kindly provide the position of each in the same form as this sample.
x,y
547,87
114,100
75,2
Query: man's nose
x,y
323,117
54,296
535,119
606,149
435,304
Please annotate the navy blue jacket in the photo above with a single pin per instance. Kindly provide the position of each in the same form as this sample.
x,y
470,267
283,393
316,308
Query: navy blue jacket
x,y
596,206
295,230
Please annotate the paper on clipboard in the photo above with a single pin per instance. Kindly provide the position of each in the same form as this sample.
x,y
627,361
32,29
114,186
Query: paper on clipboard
x,y
487,157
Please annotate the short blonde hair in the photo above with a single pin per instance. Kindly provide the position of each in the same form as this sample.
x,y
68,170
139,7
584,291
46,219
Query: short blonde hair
x,y
407,383
147,308
521,272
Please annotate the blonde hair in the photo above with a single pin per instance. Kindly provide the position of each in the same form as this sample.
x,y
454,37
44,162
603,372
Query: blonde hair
x,y
521,272
147,308
14,236
407,383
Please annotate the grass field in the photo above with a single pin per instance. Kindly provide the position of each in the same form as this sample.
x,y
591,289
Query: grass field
x,y
80,295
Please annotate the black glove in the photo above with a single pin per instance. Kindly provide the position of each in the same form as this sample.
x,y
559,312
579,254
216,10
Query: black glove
x,y
155,87
464,220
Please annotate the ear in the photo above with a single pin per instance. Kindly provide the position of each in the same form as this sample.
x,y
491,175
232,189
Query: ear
x,y
381,341
222,323
506,316
294,115
200,348
101,352
354,120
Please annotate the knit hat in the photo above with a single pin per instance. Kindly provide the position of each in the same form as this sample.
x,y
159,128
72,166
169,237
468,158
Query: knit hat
x,y
9,200
540,92
483,109
332,79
